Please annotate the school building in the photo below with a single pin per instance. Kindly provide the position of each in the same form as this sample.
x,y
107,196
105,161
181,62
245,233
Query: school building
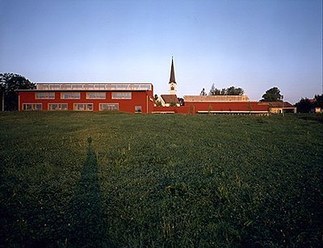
x,y
124,97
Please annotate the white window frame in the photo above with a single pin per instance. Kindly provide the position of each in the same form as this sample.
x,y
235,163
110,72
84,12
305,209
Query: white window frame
x,y
77,95
110,107
122,95
85,107
44,95
96,95
60,106
33,107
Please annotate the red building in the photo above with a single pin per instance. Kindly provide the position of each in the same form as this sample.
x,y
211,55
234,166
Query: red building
x,y
239,108
224,104
195,104
125,97
132,98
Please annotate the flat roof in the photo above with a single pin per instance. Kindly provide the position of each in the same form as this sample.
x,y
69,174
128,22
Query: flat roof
x,y
216,98
91,86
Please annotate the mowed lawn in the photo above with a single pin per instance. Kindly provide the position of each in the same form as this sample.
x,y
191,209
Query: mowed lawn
x,y
75,179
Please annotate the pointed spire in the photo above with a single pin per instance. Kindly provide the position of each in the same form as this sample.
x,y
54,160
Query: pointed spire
x,y
172,73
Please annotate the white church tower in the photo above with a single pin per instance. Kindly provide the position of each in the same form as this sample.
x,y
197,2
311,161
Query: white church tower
x,y
172,82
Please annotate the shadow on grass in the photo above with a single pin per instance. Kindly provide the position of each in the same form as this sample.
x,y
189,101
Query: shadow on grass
x,y
87,227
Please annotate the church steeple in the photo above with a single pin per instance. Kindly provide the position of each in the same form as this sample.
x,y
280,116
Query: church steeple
x,y
172,73
172,81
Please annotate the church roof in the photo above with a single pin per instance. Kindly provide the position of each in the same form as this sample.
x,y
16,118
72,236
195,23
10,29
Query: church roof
x,y
172,73
169,98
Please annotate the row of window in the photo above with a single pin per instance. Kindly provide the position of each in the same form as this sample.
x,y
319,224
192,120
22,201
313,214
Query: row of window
x,y
77,95
76,106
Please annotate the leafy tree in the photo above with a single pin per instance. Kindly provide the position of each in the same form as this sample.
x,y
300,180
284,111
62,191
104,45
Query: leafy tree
x,y
305,105
318,101
9,83
157,101
234,91
272,95
229,91
181,101
203,93
214,91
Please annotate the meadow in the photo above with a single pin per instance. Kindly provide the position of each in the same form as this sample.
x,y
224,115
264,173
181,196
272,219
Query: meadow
x,y
75,179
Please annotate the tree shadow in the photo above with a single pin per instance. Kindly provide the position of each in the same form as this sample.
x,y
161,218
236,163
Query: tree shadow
x,y
87,227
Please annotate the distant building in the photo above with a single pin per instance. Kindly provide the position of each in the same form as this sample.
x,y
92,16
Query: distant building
x,y
168,100
197,104
280,107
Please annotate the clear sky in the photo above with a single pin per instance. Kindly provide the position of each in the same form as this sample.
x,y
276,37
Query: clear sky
x,y
251,44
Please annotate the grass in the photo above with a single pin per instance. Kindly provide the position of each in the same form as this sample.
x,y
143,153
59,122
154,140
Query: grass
x,y
116,180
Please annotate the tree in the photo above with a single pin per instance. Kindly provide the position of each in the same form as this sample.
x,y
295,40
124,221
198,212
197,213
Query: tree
x,y
203,93
234,91
9,83
272,95
214,91
181,101
318,101
229,91
157,101
305,105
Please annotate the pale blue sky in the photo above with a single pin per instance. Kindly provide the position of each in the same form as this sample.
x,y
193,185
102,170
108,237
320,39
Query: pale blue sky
x,y
250,44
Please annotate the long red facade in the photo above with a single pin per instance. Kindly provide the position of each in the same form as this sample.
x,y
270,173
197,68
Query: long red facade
x,y
217,108
127,97
124,99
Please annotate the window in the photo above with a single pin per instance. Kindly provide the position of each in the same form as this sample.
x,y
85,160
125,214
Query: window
x,y
66,86
121,95
99,86
32,106
70,95
57,106
109,106
138,109
45,95
83,106
95,95
76,86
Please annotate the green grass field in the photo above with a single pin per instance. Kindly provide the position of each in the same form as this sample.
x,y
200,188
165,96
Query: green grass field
x,y
117,180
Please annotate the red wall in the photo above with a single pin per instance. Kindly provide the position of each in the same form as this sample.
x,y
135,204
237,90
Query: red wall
x,y
226,106
192,108
139,98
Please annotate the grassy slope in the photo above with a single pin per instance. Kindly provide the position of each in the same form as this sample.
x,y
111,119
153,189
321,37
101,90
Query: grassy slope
x,y
159,181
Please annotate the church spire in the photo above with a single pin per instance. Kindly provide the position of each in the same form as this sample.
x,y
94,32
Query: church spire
x,y
172,73
172,82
